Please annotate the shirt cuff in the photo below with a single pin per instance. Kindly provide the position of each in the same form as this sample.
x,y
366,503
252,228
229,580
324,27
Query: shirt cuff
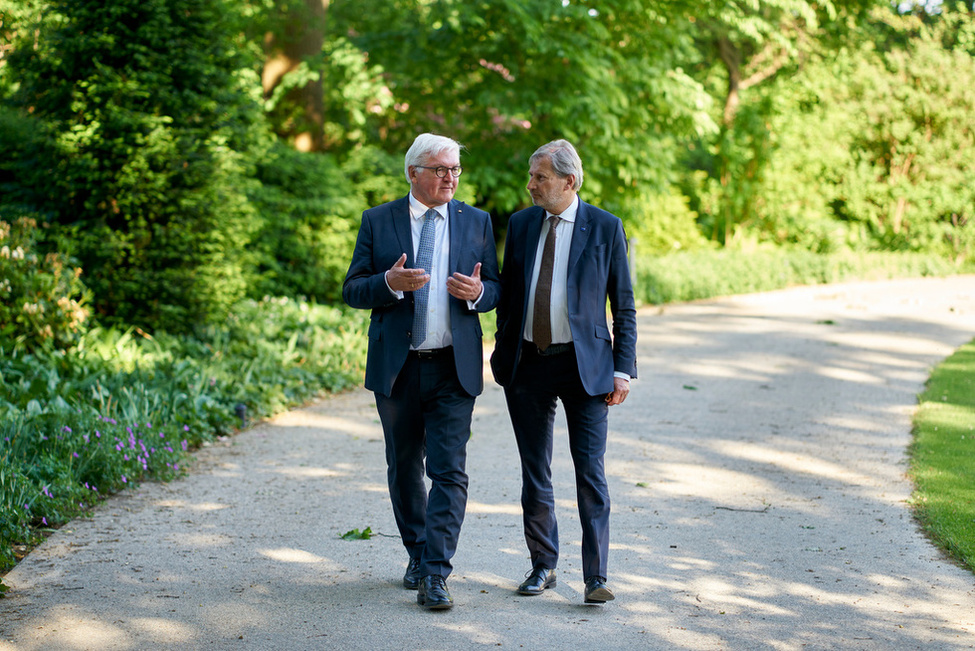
x,y
622,376
391,290
471,305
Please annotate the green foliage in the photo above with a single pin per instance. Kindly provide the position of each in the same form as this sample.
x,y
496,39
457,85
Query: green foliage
x,y
943,455
147,121
660,223
867,148
79,424
41,296
310,205
355,534
507,81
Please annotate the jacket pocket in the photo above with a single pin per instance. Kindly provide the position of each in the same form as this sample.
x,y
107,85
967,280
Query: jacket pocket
x,y
602,332
376,329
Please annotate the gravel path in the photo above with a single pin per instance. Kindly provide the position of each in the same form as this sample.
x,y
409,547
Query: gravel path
x,y
759,496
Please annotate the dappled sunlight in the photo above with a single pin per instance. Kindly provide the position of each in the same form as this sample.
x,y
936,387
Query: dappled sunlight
x,y
231,619
481,634
512,508
289,555
884,344
166,631
200,539
793,462
181,504
849,375
724,370
311,419
312,473
688,563
71,628
719,485
732,596
71,631
859,424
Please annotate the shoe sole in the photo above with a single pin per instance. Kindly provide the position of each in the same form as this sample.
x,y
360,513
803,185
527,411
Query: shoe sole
x,y
438,606
599,596
532,593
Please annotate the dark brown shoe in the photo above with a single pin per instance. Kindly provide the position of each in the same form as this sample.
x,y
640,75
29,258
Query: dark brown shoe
x,y
596,590
537,581
433,593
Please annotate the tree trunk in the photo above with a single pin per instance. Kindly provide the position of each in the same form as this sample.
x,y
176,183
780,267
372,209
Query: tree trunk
x,y
302,38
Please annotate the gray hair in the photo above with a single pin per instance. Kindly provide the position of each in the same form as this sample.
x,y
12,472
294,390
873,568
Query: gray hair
x,y
425,146
564,159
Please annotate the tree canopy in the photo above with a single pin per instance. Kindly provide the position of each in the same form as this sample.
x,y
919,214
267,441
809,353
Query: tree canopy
x,y
188,152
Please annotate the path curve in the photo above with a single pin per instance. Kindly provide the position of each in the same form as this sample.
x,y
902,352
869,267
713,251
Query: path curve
x,y
759,495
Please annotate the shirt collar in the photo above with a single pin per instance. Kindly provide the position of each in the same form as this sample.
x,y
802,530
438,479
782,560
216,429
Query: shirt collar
x,y
418,210
569,214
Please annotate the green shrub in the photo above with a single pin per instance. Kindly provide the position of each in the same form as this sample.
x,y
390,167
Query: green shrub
x,y
310,205
142,124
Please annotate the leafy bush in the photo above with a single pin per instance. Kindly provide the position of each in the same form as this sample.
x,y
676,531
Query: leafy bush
x,y
310,205
142,124
41,297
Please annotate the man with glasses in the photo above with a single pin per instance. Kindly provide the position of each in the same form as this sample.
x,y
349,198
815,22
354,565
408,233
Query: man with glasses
x,y
563,259
426,265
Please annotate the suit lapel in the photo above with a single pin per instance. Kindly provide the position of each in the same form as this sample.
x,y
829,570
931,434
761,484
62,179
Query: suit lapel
x,y
580,236
533,237
401,226
456,228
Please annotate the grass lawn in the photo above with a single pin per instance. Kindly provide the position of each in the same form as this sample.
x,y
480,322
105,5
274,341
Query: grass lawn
x,y
943,456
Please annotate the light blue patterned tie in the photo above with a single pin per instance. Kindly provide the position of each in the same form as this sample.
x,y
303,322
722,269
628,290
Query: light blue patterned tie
x,y
424,260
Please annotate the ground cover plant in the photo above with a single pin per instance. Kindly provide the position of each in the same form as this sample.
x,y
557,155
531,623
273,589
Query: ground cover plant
x,y
943,456
121,406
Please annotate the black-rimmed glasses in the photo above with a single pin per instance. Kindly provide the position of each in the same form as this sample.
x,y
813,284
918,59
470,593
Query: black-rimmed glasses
x,y
441,171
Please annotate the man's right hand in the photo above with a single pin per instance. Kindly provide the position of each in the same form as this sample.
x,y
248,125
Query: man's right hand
x,y
401,279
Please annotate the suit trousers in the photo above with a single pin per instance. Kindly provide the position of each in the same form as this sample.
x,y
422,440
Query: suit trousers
x,y
539,383
427,414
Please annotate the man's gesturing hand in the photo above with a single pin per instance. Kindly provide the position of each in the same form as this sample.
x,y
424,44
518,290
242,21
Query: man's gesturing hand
x,y
466,288
401,279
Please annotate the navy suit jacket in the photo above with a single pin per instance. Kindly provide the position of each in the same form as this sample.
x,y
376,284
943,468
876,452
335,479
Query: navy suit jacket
x,y
597,270
384,236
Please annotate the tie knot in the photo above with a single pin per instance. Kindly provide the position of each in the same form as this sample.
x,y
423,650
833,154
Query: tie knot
x,y
430,214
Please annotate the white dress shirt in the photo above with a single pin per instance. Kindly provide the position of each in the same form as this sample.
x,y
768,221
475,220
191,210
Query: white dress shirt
x,y
438,310
561,333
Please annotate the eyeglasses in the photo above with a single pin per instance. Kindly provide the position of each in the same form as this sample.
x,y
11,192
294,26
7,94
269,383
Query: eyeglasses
x,y
441,171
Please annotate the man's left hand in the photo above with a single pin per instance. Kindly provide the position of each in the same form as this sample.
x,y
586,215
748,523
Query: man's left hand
x,y
466,288
621,389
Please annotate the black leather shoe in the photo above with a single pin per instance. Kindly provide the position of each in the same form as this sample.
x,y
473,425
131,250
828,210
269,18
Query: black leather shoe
x,y
596,590
433,594
411,580
537,581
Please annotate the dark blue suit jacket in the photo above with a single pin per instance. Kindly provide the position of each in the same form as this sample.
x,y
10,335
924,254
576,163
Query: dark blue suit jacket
x,y
384,236
597,270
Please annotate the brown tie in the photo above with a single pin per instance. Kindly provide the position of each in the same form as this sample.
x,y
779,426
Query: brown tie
x,y
542,316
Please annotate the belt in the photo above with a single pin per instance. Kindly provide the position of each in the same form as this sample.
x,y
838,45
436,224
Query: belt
x,y
432,353
553,349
